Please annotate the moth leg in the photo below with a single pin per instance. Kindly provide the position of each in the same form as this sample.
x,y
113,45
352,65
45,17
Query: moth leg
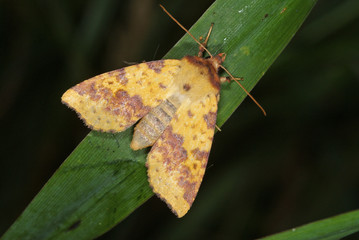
x,y
204,44
228,79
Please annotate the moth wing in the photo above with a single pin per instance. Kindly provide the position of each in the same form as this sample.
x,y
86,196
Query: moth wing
x,y
177,161
115,100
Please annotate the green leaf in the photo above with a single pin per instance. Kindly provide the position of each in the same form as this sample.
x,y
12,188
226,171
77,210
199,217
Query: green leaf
x,y
103,180
328,229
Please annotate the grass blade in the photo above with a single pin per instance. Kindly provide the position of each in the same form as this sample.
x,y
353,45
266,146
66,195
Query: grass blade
x,y
335,227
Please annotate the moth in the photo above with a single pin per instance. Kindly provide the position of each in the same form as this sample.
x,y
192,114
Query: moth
x,y
175,102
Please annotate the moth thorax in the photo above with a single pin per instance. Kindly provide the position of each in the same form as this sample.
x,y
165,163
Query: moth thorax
x,y
152,125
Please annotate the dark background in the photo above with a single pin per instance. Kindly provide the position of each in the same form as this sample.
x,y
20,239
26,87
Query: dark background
x,y
265,174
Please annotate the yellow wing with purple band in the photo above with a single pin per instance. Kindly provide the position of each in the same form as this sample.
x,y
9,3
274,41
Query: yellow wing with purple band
x,y
177,161
115,100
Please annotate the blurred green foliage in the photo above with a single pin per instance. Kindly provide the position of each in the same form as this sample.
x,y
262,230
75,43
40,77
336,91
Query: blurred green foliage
x,y
265,175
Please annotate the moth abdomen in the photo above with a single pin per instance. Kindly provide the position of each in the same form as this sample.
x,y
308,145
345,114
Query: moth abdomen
x,y
152,125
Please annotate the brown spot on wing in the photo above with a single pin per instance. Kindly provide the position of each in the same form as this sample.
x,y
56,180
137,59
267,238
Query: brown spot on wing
x,y
156,65
87,87
200,155
162,86
123,104
189,113
210,119
120,75
172,150
186,87
191,189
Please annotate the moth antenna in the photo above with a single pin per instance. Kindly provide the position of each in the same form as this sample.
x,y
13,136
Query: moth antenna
x,y
218,128
164,9
245,90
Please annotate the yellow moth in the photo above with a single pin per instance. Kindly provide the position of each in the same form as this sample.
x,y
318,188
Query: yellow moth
x,y
176,102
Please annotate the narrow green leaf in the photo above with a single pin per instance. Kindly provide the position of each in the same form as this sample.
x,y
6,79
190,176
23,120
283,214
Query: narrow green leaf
x,y
103,180
327,229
